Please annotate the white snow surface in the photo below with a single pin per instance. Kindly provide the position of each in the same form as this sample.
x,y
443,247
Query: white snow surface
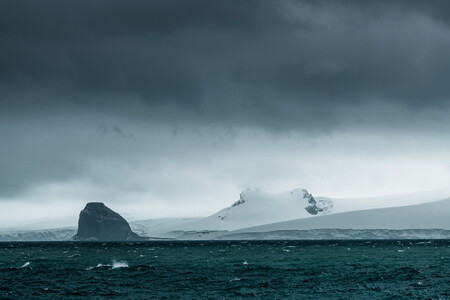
x,y
257,208
433,215
157,227
363,203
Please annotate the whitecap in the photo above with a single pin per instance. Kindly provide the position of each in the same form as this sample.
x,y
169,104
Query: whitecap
x,y
74,255
97,266
423,243
115,265
245,263
119,264
25,264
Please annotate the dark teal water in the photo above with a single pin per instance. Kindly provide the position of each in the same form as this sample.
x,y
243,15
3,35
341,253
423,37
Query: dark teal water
x,y
224,270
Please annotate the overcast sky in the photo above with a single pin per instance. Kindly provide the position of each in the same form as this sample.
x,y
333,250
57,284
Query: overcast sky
x,y
171,108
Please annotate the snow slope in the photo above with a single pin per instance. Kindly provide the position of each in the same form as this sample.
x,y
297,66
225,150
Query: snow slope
x,y
353,204
257,208
58,234
434,215
157,227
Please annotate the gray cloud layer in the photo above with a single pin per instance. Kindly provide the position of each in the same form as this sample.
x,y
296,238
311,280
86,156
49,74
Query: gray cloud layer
x,y
223,60
81,81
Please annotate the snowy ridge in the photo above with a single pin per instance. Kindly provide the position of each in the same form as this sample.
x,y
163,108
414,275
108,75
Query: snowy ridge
x,y
257,208
434,215
327,218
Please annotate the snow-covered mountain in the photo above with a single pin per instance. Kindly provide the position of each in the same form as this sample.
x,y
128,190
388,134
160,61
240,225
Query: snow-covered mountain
x,y
428,220
257,208
434,215
295,214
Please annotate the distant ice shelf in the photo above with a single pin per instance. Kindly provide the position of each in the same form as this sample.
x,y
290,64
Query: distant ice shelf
x,y
340,234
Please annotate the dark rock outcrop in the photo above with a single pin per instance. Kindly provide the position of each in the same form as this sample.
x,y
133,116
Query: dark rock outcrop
x,y
317,205
99,223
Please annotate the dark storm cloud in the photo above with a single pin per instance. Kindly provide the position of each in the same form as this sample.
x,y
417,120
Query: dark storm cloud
x,y
278,66
219,61
151,49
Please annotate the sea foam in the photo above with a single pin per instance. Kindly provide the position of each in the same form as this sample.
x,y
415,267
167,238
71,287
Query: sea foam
x,y
119,264
115,265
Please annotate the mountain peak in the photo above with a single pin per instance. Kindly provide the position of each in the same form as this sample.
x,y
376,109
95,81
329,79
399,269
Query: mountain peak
x,y
257,207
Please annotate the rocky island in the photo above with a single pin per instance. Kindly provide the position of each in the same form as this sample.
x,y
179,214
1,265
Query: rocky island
x,y
97,222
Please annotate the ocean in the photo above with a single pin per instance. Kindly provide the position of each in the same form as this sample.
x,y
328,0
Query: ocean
x,y
226,269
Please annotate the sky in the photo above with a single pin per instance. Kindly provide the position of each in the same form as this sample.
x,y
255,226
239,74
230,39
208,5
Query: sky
x,y
171,108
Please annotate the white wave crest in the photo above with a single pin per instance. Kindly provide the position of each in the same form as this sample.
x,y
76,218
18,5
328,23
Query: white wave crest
x,y
98,266
119,264
25,265
115,265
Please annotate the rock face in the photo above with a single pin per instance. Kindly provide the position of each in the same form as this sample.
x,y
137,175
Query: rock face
x,y
99,223
317,205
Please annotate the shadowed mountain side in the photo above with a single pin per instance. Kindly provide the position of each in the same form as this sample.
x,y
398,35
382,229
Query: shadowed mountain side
x,y
99,223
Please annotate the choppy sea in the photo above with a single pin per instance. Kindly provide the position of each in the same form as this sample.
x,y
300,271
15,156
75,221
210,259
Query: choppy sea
x,y
225,270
